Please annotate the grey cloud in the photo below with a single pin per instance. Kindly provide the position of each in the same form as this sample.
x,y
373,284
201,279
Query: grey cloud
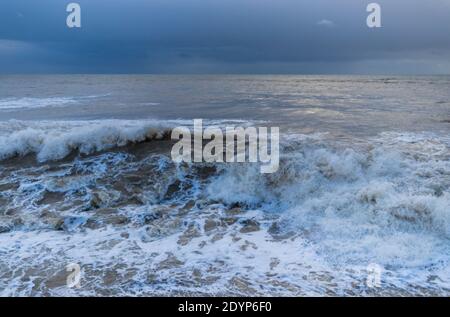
x,y
222,36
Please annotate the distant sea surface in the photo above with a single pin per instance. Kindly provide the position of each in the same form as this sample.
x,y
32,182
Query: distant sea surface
x,y
86,177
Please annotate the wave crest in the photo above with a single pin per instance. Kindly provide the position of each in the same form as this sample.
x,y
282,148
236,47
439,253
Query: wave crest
x,y
56,141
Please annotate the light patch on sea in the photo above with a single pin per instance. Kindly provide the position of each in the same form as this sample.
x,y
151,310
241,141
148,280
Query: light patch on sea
x,y
23,103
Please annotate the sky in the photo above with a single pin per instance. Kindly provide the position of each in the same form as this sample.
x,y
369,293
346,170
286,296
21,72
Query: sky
x,y
225,36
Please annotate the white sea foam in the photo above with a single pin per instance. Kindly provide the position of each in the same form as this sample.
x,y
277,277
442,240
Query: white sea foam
x,y
20,103
342,207
389,204
11,104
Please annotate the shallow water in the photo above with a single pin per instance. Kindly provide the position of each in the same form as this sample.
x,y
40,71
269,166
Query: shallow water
x,y
86,177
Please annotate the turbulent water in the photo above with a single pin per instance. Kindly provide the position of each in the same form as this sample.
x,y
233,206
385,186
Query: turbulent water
x,y
86,177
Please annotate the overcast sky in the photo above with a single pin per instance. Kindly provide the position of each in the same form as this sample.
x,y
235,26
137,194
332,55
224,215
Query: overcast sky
x,y
225,36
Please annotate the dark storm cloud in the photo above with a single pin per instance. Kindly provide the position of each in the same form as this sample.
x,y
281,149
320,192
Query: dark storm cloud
x,y
225,36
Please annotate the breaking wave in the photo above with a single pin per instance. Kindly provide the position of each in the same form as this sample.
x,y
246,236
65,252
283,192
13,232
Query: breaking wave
x,y
53,141
56,140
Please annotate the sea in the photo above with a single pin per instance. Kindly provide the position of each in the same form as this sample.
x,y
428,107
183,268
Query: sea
x,y
360,204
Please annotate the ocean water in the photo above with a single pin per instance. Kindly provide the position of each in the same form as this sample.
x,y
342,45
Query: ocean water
x,y
86,177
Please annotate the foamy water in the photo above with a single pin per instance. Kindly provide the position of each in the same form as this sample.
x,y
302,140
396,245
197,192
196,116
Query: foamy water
x,y
104,193
23,103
